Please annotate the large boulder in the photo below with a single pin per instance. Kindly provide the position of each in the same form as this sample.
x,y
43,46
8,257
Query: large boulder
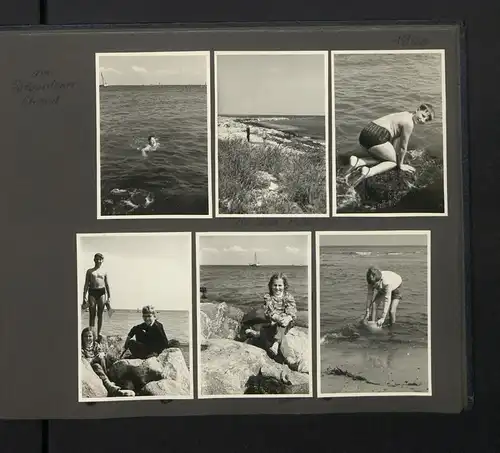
x,y
92,386
220,321
228,366
140,372
165,387
173,358
295,349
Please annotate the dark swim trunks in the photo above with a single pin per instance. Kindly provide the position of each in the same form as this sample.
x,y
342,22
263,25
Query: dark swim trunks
x,y
396,294
373,135
96,293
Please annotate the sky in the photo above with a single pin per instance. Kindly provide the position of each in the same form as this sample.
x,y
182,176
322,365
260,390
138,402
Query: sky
x,y
154,69
271,84
278,249
148,269
373,239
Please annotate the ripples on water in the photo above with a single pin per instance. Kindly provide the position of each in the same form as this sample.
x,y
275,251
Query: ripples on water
x,y
372,85
343,288
174,178
245,286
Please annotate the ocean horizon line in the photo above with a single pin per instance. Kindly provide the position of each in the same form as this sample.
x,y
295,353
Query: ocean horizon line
x,y
269,115
251,265
156,85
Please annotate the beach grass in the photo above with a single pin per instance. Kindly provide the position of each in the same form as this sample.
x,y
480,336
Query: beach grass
x,y
298,173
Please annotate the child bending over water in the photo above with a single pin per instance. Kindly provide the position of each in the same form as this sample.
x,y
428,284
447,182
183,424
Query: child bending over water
x,y
383,286
384,143
93,353
280,309
151,146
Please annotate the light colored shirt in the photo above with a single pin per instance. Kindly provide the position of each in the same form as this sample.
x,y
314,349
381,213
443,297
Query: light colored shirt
x,y
387,284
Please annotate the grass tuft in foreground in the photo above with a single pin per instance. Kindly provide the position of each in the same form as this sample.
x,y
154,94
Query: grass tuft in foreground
x,y
299,178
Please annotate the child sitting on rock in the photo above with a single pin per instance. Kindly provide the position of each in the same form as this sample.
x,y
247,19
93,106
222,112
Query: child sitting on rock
x,y
280,310
93,353
150,337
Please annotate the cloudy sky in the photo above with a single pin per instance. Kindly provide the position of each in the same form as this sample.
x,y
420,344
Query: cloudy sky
x,y
279,249
183,69
146,269
271,84
373,239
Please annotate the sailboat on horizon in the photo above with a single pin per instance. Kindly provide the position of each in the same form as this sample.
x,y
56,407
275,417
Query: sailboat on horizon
x,y
255,262
103,83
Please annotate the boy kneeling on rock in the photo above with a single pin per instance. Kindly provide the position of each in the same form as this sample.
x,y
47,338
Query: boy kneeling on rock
x,y
150,337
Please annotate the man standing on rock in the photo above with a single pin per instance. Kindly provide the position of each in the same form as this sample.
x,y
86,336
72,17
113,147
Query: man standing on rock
x,y
248,133
97,286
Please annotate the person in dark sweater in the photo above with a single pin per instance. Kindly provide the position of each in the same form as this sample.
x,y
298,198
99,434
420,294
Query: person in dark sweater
x,y
150,337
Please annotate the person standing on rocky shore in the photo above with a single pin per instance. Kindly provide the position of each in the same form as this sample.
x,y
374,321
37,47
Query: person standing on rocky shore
x,y
97,288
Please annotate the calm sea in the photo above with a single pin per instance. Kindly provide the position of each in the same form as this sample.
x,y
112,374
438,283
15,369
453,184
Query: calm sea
x,y
175,323
398,360
343,289
245,286
176,174
370,86
313,127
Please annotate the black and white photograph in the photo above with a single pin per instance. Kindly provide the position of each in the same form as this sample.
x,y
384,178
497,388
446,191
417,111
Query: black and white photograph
x,y
373,298
134,315
272,134
254,314
389,129
153,135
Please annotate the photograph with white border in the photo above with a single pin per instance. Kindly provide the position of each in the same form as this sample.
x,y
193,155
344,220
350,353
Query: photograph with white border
x,y
153,135
271,109
374,302
389,133
254,314
134,311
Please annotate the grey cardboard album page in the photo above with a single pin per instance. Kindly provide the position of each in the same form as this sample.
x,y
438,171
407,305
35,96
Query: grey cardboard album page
x,y
232,220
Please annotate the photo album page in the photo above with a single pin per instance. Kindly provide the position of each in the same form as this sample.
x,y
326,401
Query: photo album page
x,y
233,220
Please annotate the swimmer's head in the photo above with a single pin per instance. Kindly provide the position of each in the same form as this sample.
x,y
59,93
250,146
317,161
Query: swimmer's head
x,y
98,259
152,140
424,113
148,314
373,275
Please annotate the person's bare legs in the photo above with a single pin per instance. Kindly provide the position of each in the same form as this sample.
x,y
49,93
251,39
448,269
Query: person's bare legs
x,y
100,311
392,311
92,313
385,155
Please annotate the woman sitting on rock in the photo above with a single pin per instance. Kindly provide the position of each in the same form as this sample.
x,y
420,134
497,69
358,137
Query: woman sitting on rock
x,y
93,353
280,310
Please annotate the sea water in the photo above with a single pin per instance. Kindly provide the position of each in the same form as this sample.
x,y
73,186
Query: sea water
x,y
397,356
175,176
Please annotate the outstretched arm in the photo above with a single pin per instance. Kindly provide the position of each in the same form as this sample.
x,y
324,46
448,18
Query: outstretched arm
x,y
387,302
403,143
369,301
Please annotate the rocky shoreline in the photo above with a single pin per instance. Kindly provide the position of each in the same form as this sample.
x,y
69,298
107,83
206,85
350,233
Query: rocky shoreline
x,y
235,128
166,375
232,364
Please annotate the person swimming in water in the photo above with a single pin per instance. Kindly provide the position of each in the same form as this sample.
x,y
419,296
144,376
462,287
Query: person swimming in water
x,y
151,146
384,143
